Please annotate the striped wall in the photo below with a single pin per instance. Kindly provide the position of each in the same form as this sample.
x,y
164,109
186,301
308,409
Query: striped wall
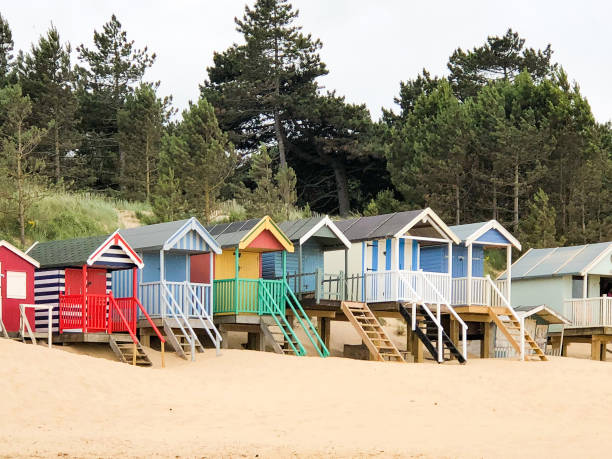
x,y
115,257
191,241
48,283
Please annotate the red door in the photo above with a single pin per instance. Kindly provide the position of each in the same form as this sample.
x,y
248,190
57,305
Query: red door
x,y
73,282
96,281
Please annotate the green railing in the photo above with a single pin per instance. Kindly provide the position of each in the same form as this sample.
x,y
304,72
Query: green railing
x,y
244,298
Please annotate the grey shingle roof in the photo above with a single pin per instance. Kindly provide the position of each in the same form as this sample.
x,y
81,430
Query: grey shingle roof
x,y
465,231
66,253
377,226
557,261
151,236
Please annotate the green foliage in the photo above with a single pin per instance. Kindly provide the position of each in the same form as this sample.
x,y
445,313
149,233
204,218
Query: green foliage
x,y
141,123
47,77
6,56
537,228
196,161
500,57
384,203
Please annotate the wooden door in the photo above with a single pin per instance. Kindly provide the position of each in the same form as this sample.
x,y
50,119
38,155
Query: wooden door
x,y
96,281
248,265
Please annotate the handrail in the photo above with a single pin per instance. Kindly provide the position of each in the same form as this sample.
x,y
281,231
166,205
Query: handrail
x,y
146,314
263,288
197,303
323,351
25,322
122,317
189,337
514,314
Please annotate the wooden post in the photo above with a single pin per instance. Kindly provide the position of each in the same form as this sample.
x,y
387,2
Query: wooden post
x,y
162,278
237,274
469,275
318,285
84,309
163,359
346,274
509,273
454,334
300,263
211,279
284,265
485,344
595,348
134,350
585,285
408,338
417,349
324,324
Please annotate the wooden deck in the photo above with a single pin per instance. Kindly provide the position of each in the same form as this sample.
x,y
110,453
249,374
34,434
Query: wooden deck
x,y
158,321
598,337
75,338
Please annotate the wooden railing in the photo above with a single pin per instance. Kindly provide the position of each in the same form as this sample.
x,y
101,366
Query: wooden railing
x,y
482,293
150,294
588,312
243,297
381,286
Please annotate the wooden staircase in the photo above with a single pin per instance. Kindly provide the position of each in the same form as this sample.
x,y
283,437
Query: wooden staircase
x,y
180,339
428,335
123,347
280,336
511,328
372,333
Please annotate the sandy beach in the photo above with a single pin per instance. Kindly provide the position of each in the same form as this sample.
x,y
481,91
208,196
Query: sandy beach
x,y
244,404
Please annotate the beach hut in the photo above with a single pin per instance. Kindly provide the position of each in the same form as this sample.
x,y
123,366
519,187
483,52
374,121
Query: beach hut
x,y
574,281
243,299
176,303
306,265
384,275
16,287
75,278
470,285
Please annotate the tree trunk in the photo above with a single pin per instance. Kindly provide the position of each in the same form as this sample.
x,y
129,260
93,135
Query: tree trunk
x,y
20,190
278,129
148,172
457,204
58,173
515,220
207,209
344,203
494,200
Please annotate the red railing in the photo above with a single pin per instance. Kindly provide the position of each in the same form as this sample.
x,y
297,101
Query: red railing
x,y
71,312
127,306
97,313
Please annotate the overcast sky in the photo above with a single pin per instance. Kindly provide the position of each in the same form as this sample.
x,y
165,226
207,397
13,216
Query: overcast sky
x,y
368,46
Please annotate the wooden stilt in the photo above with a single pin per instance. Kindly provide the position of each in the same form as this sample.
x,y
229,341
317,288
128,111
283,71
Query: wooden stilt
x,y
454,334
595,348
485,344
417,349
163,356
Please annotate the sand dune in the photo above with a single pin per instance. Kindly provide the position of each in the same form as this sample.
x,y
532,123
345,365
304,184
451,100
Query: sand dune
x,y
246,403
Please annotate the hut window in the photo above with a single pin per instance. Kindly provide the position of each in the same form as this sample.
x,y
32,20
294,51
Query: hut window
x,y
16,285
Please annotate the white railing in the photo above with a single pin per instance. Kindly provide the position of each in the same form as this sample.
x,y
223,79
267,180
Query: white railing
x,y
150,295
588,312
429,287
24,322
497,296
482,292
204,314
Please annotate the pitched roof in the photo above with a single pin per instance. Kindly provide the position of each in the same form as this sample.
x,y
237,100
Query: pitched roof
x,y
544,312
558,261
471,232
151,236
66,253
7,245
299,231
240,234
157,236
390,225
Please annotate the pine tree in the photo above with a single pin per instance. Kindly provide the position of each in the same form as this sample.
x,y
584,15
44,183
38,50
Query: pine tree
x,y
19,141
141,123
262,88
110,72
265,199
6,57
200,157
499,58
538,227
47,77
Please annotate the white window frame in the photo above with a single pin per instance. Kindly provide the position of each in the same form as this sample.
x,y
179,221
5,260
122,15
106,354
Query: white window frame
x,y
16,291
